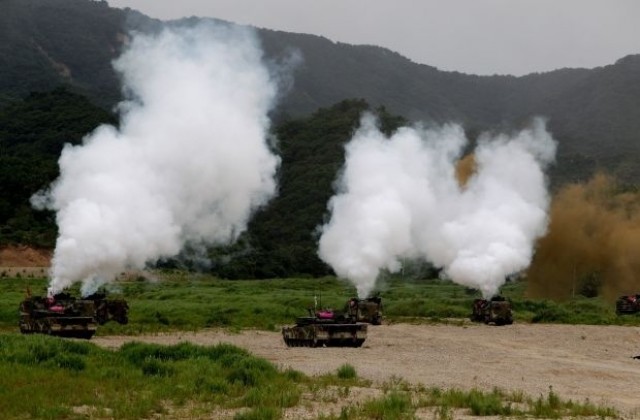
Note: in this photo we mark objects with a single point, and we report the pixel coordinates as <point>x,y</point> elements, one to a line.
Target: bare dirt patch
<point>24,256</point>
<point>24,261</point>
<point>579,362</point>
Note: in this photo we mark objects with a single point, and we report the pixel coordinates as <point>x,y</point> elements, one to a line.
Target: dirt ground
<point>579,362</point>
<point>23,256</point>
<point>24,261</point>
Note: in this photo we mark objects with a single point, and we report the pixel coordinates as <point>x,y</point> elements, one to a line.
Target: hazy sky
<point>471,36</point>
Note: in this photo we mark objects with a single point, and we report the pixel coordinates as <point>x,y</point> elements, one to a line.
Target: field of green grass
<point>49,377</point>
<point>184,301</point>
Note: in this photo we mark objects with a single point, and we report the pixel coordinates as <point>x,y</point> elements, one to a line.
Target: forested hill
<point>595,113</point>
<point>44,43</point>
<point>281,237</point>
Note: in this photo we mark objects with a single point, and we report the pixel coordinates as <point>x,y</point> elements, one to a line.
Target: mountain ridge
<point>594,113</point>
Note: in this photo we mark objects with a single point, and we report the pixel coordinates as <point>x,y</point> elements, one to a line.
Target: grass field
<point>49,377</point>
<point>185,301</point>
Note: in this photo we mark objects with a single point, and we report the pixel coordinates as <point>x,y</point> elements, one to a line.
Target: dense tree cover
<point>32,134</point>
<point>282,237</point>
<point>595,114</point>
<point>44,43</point>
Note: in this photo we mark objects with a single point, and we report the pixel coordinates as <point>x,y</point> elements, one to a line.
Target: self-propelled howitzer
<point>496,310</point>
<point>325,329</point>
<point>66,316</point>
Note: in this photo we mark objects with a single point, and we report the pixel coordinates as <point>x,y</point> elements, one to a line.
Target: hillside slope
<point>594,113</point>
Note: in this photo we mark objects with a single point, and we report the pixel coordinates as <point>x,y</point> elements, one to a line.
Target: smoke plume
<point>400,197</point>
<point>592,243</point>
<point>187,165</point>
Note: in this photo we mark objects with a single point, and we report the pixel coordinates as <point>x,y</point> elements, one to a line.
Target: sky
<point>471,36</point>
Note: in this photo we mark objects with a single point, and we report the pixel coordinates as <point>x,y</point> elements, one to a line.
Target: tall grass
<point>48,377</point>
<point>347,371</point>
<point>393,406</point>
<point>514,404</point>
<point>402,401</point>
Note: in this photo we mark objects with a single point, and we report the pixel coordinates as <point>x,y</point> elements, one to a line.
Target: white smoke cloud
<point>399,198</point>
<point>188,164</point>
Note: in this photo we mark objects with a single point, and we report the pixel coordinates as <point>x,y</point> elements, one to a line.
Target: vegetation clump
<point>44,376</point>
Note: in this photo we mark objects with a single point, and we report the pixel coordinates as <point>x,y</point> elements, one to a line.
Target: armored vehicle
<point>367,310</point>
<point>628,304</point>
<point>64,315</point>
<point>109,309</point>
<point>59,315</point>
<point>325,328</point>
<point>496,310</point>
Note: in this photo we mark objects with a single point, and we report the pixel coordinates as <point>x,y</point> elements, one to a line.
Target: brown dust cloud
<point>592,244</point>
<point>465,169</point>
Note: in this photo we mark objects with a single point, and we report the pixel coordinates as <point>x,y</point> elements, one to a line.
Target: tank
<point>109,309</point>
<point>59,315</point>
<point>325,329</point>
<point>367,310</point>
<point>65,316</point>
<point>628,304</point>
<point>496,310</point>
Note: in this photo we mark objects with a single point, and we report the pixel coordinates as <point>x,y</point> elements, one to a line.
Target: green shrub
<point>294,375</point>
<point>251,371</point>
<point>394,406</point>
<point>154,367</point>
<point>482,404</point>
<point>211,385</point>
<point>275,395</point>
<point>347,371</point>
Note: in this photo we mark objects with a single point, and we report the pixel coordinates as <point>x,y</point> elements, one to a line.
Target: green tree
<point>32,134</point>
